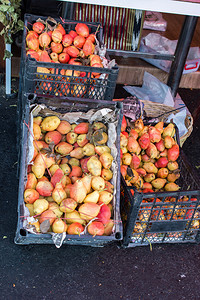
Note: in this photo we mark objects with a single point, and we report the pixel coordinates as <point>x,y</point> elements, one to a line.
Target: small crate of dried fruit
<point>160,191</point>
<point>66,58</point>
<point>69,186</point>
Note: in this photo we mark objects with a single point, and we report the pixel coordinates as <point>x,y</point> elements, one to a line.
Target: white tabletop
<point>182,7</point>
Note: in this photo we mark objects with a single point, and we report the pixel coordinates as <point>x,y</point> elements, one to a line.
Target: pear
<point>150,167</point>
<point>39,166</point>
<point>56,209</point>
<point>102,149</point>
<point>105,197</point>
<point>106,159</point>
<point>68,205</point>
<point>73,217</point>
<point>78,191</point>
<point>158,183</point>
<point>169,130</point>
<point>98,183</point>
<point>92,197</point>
<point>77,153</point>
<point>89,210</point>
<point>87,182</point>
<point>58,193</point>
<point>40,205</point>
<point>59,226</point>
<point>159,126</point>
<point>88,149</point>
<point>94,166</point>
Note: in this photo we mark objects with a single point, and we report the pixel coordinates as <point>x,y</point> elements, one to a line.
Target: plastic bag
<point>154,21</point>
<point>153,90</point>
<point>155,43</point>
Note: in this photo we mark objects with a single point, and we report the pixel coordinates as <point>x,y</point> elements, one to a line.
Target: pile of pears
<point>149,156</point>
<point>68,186</point>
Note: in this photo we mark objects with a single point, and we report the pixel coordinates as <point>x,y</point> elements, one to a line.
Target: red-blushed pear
<point>154,134</point>
<point>75,228</point>
<point>53,137</point>
<point>82,140</point>
<point>73,34</point>
<point>88,211</point>
<point>56,36</point>
<point>82,29</point>
<point>57,177</point>
<point>30,196</point>
<point>75,171</point>
<point>44,40</point>
<point>81,128</point>
<point>67,40</point>
<point>58,193</point>
<point>44,188</point>
<point>63,58</point>
<point>87,179</point>
<point>144,141</point>
<point>135,162</point>
<point>79,41</point>
<point>160,145</point>
<point>64,127</point>
<point>71,137</point>
<point>78,191</point>
<point>108,228</point>
<point>161,162</point>
<point>31,181</point>
<point>61,29</point>
<point>38,27</point>
<point>47,215</point>
<point>95,228</point>
<point>77,153</point>
<point>33,54</point>
<point>68,205</point>
<point>173,153</point>
<point>105,214</point>
<point>63,148</point>
<point>56,47</point>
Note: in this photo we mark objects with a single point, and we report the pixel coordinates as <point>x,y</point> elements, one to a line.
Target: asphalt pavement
<point>170,271</point>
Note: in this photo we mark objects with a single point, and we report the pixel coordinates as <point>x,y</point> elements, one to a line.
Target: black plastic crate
<point>162,217</point>
<point>23,237</point>
<point>56,84</point>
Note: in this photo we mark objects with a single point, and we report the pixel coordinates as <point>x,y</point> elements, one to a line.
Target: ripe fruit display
<point>78,47</point>
<point>149,154</point>
<point>156,201</point>
<point>69,182</point>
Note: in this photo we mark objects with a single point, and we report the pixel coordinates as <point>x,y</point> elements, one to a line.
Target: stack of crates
<point>55,91</point>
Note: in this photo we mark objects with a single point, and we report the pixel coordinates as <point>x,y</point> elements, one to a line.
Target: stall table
<point>191,10</point>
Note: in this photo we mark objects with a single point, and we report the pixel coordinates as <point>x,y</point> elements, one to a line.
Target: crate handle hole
<point>22,232</point>
<point>118,235</point>
<point>31,96</point>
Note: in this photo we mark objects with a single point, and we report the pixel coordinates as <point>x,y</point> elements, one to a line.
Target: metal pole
<point>181,52</point>
<point>8,71</point>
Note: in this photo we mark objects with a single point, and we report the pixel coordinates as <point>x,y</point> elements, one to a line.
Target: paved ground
<point>74,272</point>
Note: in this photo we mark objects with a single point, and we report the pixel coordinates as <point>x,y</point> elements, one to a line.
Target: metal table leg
<point>181,52</point>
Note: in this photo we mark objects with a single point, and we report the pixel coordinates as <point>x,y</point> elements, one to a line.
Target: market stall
<point>67,78</point>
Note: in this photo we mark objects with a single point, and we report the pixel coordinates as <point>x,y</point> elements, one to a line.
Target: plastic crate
<point>174,218</point>
<point>23,237</point>
<point>61,85</point>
